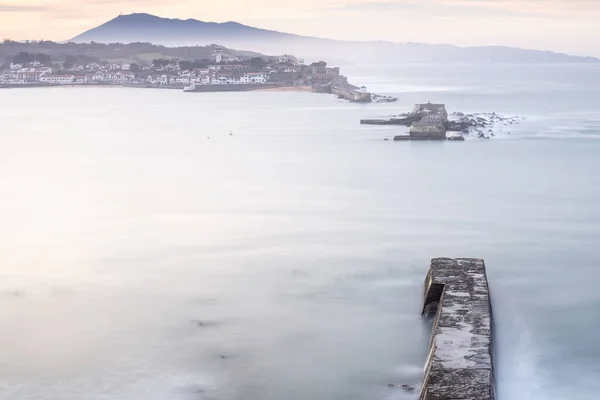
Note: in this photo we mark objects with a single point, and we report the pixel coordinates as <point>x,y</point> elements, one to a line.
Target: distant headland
<point>193,69</point>
<point>140,27</point>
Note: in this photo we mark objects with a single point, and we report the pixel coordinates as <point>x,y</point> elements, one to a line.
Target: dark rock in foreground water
<point>407,388</point>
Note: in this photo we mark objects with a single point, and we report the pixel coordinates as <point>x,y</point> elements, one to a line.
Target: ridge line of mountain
<point>142,27</point>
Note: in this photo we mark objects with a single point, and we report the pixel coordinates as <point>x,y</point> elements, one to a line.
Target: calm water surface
<point>147,254</point>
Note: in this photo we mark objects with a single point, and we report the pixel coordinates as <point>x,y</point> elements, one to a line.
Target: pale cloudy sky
<point>571,26</point>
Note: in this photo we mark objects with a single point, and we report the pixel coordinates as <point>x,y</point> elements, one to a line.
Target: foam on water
<point>518,374</point>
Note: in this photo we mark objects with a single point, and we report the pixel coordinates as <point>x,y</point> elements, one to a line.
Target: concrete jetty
<point>405,120</point>
<point>352,93</point>
<point>460,361</point>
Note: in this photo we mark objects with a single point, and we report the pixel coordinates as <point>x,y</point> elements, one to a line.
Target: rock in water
<point>408,388</point>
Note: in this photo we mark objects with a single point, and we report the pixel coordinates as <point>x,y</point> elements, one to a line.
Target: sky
<point>569,26</point>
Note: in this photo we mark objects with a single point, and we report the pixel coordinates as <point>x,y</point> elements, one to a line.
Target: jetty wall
<point>460,360</point>
<point>406,121</point>
<point>350,93</point>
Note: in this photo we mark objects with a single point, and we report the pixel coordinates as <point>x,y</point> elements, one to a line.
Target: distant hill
<point>153,29</point>
<point>142,53</point>
<point>190,32</point>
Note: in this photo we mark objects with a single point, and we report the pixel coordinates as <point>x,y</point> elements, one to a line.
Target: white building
<point>223,80</point>
<point>121,77</point>
<point>180,80</point>
<point>202,80</point>
<point>27,76</point>
<point>163,80</point>
<point>253,78</point>
<point>58,79</point>
<point>9,78</point>
<point>158,79</point>
<point>172,67</point>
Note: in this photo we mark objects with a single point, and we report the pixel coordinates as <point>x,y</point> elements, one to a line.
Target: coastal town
<point>223,72</point>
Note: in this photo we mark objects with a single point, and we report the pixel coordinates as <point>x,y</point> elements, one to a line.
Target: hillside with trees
<point>47,52</point>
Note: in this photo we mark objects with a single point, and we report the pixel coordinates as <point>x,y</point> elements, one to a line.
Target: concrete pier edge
<point>460,360</point>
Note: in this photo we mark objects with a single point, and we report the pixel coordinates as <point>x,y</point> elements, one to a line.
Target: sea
<point>161,245</point>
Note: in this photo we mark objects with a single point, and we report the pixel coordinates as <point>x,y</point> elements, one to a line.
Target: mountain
<point>174,32</point>
<point>190,32</point>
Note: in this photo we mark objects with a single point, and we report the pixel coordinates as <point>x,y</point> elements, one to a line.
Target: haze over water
<point>147,254</point>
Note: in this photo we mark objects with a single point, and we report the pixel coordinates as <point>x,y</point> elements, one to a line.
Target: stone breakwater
<point>432,122</point>
<point>460,361</point>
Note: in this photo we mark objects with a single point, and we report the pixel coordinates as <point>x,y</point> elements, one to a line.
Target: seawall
<point>351,93</point>
<point>243,87</point>
<point>26,85</point>
<point>460,360</point>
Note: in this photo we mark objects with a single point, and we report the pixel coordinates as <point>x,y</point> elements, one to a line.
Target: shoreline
<point>142,86</point>
<point>287,89</point>
<point>347,94</point>
<point>87,85</point>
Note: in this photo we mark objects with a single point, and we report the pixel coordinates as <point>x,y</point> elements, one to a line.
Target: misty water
<point>146,253</point>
